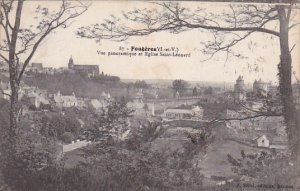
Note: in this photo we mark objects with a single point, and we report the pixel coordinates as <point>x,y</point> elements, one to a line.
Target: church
<point>90,70</point>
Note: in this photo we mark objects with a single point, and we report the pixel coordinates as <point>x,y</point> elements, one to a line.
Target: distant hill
<point>82,86</point>
<point>149,81</point>
<point>191,83</point>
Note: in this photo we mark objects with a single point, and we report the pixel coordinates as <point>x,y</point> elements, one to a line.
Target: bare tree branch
<point>54,24</point>
<point>243,118</point>
<point>2,91</point>
<point>4,58</point>
<point>292,47</point>
<point>175,19</point>
<point>20,40</point>
<point>293,25</point>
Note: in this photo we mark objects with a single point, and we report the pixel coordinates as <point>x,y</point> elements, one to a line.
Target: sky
<point>61,45</point>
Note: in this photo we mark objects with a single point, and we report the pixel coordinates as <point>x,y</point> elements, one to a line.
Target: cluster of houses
<point>262,89</point>
<point>262,132</point>
<point>143,108</point>
<point>37,67</point>
<point>140,107</point>
<point>41,99</point>
<point>89,70</point>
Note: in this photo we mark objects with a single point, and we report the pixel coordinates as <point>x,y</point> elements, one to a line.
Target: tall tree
<point>141,84</point>
<point>208,90</point>
<point>229,28</point>
<point>195,92</point>
<point>179,86</point>
<point>112,120</point>
<point>19,44</point>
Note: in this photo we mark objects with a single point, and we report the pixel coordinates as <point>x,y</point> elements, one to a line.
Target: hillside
<point>82,86</point>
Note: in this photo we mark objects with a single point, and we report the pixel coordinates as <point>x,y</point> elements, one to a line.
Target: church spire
<point>71,62</point>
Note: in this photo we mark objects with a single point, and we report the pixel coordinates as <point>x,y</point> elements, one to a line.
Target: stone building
<point>35,67</point>
<point>142,109</point>
<point>260,88</point>
<point>90,70</point>
<point>65,100</point>
<point>195,113</point>
<point>105,96</point>
<point>37,97</point>
<point>263,141</point>
<point>239,90</point>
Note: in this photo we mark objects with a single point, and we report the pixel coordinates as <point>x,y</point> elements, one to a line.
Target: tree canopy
<point>179,86</point>
<point>228,27</point>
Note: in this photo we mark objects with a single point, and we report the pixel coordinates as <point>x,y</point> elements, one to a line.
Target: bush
<point>67,137</point>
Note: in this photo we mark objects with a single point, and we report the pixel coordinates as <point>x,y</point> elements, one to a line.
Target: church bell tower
<point>71,63</point>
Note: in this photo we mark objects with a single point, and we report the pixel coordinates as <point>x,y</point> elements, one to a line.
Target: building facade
<point>36,96</point>
<point>65,100</point>
<point>239,90</point>
<point>196,113</point>
<point>90,70</point>
<point>260,88</point>
<point>263,141</point>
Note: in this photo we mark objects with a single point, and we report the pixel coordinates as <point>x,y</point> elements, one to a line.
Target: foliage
<point>22,169</point>
<point>241,21</point>
<point>179,86</point>
<point>55,126</point>
<point>266,168</point>
<point>146,131</point>
<point>133,165</point>
<point>4,125</point>
<point>72,125</point>
<point>67,137</point>
<point>18,46</point>
<point>195,92</point>
<point>128,165</point>
<point>141,84</point>
<point>208,91</point>
<point>251,165</point>
<point>4,118</point>
<point>105,78</point>
<point>82,86</point>
<point>53,177</point>
<point>111,121</point>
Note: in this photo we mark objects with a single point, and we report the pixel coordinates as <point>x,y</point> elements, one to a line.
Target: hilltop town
<point>149,96</point>
<point>187,112</point>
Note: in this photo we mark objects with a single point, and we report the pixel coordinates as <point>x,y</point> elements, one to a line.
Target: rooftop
<point>186,111</point>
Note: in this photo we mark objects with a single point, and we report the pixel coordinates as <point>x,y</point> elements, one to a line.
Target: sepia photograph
<point>102,95</point>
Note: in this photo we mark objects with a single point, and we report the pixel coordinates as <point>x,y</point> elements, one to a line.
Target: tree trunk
<point>285,84</point>
<point>10,142</point>
<point>13,77</point>
<point>14,108</point>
